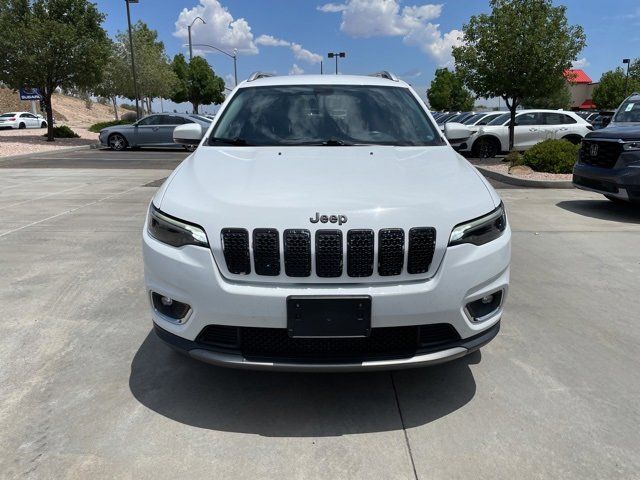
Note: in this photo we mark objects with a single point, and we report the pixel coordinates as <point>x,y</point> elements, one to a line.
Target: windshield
<point>629,111</point>
<point>474,118</point>
<point>500,120</point>
<point>324,115</point>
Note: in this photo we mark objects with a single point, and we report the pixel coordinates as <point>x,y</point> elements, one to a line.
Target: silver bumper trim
<point>238,361</point>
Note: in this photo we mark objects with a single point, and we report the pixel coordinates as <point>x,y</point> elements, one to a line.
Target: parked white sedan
<point>22,120</point>
<point>532,127</point>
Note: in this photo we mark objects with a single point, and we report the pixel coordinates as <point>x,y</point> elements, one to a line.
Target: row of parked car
<point>486,134</point>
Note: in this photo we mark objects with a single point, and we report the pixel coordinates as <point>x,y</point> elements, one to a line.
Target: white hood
<point>283,187</point>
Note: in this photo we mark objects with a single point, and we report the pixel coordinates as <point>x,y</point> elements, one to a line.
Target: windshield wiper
<point>230,141</point>
<point>332,142</point>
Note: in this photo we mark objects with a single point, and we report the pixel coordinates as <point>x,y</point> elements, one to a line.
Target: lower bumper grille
<point>275,343</point>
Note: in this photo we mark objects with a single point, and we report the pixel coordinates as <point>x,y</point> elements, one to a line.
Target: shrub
<point>96,127</point>
<point>552,156</point>
<point>63,132</point>
<point>514,158</point>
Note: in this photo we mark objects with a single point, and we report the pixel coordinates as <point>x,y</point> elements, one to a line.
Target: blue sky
<point>408,37</point>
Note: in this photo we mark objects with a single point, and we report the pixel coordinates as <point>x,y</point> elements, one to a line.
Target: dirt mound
<point>69,110</point>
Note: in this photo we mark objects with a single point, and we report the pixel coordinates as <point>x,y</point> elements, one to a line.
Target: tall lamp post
<point>233,55</point>
<point>336,55</point>
<point>626,79</point>
<point>133,61</point>
<point>189,30</point>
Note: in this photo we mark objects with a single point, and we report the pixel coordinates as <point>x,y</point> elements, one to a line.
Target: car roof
<point>368,80</point>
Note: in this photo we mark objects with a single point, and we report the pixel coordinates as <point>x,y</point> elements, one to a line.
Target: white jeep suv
<point>532,127</point>
<point>325,223</point>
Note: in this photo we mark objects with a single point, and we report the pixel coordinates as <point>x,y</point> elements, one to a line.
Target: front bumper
<point>622,183</point>
<point>190,275</point>
<point>223,358</point>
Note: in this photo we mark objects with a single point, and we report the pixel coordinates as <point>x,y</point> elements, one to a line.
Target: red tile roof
<point>587,105</point>
<point>577,76</point>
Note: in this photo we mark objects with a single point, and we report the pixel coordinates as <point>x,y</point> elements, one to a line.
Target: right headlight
<point>173,231</point>
<point>481,230</point>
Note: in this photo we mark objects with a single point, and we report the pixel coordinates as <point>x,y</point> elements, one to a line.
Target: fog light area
<point>485,306</point>
<point>169,307</point>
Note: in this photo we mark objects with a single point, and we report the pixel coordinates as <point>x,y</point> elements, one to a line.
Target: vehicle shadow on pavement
<point>279,404</point>
<point>603,210</point>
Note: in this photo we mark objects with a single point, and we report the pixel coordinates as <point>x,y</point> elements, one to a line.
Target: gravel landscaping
<point>500,166</point>
<point>18,142</point>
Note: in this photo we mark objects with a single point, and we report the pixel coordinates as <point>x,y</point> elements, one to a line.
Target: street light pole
<point>189,31</point>
<point>336,55</point>
<point>626,79</point>
<point>233,55</point>
<point>133,61</point>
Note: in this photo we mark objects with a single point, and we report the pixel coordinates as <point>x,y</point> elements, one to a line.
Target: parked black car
<point>609,159</point>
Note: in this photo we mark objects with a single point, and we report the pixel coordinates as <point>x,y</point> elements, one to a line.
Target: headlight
<point>481,230</point>
<point>173,231</point>
<point>631,146</point>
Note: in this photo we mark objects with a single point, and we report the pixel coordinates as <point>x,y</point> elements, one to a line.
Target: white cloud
<point>581,63</point>
<point>269,41</point>
<point>221,29</point>
<point>331,7</point>
<point>296,70</point>
<point>298,51</point>
<point>379,18</point>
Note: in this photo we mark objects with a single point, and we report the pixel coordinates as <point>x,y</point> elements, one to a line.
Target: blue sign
<point>30,94</point>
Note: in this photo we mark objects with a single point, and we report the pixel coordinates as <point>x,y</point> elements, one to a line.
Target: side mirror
<point>456,132</point>
<point>188,134</point>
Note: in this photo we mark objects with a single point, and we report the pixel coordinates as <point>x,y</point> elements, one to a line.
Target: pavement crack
<point>404,429</point>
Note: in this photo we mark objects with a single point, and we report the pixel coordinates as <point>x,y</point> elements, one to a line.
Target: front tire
<point>485,147</point>
<point>117,142</point>
<point>43,125</point>
<point>190,148</point>
<point>22,126</point>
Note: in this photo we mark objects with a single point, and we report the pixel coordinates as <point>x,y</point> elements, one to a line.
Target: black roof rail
<point>385,74</point>
<point>257,75</point>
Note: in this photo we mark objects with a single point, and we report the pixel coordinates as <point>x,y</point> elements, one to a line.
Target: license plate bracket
<point>329,316</point>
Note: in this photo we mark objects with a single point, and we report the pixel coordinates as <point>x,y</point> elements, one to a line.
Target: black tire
<point>43,125</point>
<point>190,148</point>
<point>117,142</point>
<point>485,147</point>
<point>22,126</point>
<point>575,139</point>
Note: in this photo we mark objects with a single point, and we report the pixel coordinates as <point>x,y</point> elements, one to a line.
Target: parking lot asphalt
<point>88,391</point>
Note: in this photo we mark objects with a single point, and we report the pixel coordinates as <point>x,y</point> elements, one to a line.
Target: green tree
<point>560,98</point>
<point>51,44</point>
<point>520,50</point>
<point>153,70</point>
<point>447,92</point>
<point>197,82</point>
<point>613,88</point>
<point>114,78</point>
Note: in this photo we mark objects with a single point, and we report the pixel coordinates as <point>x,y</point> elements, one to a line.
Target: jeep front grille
<point>330,252</point>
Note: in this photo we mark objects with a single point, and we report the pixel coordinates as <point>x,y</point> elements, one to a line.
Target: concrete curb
<point>47,152</point>
<point>522,182</point>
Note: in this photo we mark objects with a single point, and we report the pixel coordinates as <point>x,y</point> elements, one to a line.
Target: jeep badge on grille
<point>339,219</point>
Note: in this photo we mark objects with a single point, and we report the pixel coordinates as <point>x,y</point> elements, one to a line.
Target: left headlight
<point>481,230</point>
<point>173,231</point>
